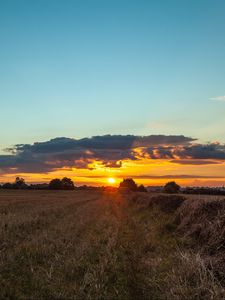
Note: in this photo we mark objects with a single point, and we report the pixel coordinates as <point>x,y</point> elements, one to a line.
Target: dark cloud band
<point>109,150</point>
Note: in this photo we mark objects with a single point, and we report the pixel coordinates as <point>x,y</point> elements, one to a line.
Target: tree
<point>55,184</point>
<point>171,187</point>
<point>128,184</point>
<point>67,184</point>
<point>64,184</point>
<point>20,183</point>
<point>141,188</point>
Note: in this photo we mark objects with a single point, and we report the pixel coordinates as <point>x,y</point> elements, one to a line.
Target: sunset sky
<point>104,89</point>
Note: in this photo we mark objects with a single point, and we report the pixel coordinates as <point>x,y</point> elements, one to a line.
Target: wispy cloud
<point>219,98</point>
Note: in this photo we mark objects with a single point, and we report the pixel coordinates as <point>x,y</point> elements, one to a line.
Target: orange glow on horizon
<point>143,170</point>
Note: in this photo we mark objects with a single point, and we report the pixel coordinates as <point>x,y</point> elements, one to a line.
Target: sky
<point>79,69</point>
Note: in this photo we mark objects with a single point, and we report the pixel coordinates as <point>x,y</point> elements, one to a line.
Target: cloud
<point>179,176</point>
<point>149,176</point>
<point>219,98</point>
<point>107,150</point>
<point>169,176</point>
<point>198,151</point>
<point>102,142</point>
<point>195,162</point>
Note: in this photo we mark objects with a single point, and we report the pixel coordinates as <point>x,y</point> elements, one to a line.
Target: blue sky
<point>84,68</point>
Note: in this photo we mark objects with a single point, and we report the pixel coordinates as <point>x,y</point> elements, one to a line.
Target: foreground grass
<point>82,245</point>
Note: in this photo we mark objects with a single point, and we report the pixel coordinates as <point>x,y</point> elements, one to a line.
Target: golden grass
<point>92,245</point>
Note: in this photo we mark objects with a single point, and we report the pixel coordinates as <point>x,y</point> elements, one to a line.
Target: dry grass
<point>192,279</point>
<point>167,203</point>
<point>91,245</point>
<point>204,222</point>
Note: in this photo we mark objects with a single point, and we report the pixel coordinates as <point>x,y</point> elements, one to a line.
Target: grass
<point>92,245</point>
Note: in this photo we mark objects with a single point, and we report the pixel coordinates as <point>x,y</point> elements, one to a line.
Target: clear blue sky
<point>83,68</point>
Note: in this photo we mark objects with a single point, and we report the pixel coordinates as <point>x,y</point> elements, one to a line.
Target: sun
<point>111,180</point>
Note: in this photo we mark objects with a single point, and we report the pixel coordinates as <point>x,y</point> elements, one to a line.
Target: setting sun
<point>111,180</point>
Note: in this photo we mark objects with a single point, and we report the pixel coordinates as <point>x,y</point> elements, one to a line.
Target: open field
<point>93,245</point>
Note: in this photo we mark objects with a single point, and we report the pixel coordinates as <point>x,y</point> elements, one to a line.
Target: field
<point>95,245</point>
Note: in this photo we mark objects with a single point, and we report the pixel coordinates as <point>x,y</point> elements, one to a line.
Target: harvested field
<point>93,245</point>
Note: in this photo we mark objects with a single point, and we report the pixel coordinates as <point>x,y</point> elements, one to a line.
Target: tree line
<point>55,184</point>
<point>127,185</point>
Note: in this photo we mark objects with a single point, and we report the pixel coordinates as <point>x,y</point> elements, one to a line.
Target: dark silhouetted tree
<point>55,184</point>
<point>141,188</point>
<point>67,184</point>
<point>20,183</point>
<point>171,188</point>
<point>128,184</point>
<point>64,184</point>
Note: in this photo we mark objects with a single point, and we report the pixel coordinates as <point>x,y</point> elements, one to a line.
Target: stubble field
<point>95,245</point>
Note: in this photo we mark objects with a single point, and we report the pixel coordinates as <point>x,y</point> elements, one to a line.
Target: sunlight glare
<point>111,180</point>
